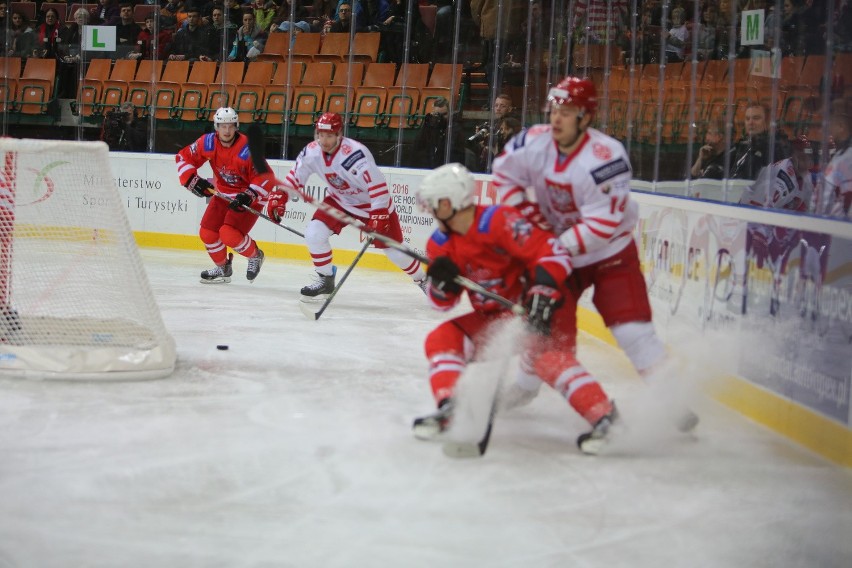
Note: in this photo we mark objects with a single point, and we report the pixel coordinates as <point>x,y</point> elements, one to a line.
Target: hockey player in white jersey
<point>356,187</point>
<point>576,180</point>
<point>787,183</point>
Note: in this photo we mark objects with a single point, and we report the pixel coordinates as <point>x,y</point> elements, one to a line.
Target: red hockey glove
<point>199,186</point>
<point>243,200</point>
<point>379,221</point>
<point>542,302</point>
<point>276,205</point>
<point>533,214</point>
<point>442,272</point>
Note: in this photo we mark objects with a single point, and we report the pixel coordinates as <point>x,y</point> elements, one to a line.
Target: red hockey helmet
<point>575,91</point>
<point>329,122</point>
<point>801,143</point>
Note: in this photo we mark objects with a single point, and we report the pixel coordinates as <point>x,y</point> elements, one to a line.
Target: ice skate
<point>423,285</point>
<point>254,264</point>
<point>320,288</point>
<point>593,441</point>
<point>219,274</point>
<point>430,426</point>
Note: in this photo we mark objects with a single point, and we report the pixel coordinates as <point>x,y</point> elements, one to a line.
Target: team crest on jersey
<point>601,152</point>
<point>346,149</point>
<point>229,177</point>
<point>336,181</point>
<point>561,196</point>
<point>193,148</point>
<point>521,229</point>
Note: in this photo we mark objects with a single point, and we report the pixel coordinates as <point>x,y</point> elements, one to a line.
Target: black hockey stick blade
<point>455,449</point>
<point>257,149</point>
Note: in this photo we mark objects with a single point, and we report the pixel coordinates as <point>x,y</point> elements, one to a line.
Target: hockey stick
<point>259,214</point>
<point>304,306</point>
<point>256,150</point>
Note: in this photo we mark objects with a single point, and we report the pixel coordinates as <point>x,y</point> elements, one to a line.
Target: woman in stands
<point>21,39</point>
<point>47,35</point>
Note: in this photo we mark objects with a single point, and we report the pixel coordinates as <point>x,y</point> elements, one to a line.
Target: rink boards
<point>789,305</point>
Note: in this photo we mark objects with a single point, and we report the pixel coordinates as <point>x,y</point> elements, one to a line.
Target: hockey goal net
<point>75,302</point>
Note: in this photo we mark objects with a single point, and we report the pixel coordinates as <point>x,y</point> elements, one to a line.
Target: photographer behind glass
<point>122,132</point>
<point>482,146</point>
<point>430,146</point>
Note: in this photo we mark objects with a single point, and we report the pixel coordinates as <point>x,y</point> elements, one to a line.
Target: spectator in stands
<point>323,12</point>
<point>756,149</point>
<point>68,54</point>
<point>193,42</point>
<point>21,38</point>
<point>444,30</point>
<point>249,41</point>
<point>4,9</point>
<point>47,34</point>
<point>486,14</point>
<point>223,31</point>
<point>126,31</point>
<point>286,17</point>
<point>169,13</point>
<point>145,39</point>
<point>105,13</point>
<point>482,146</point>
<point>592,23</point>
<point>792,32</point>
<point>678,36</point>
<point>233,13</point>
<point>842,27</point>
<point>392,23</point>
<point>707,32</point>
<point>264,13</point>
<point>431,144</point>
<point>710,162</point>
<point>343,21</point>
<point>70,37</point>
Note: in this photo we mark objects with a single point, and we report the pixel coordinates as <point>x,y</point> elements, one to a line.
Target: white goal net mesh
<point>75,301</point>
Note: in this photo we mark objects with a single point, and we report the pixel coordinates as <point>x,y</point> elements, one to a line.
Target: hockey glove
<point>533,214</point>
<point>442,272</point>
<point>379,221</point>
<point>242,200</point>
<point>542,303</point>
<point>276,205</point>
<point>199,186</point>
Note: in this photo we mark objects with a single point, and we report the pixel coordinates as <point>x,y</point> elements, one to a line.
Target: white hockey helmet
<point>450,181</point>
<point>226,115</point>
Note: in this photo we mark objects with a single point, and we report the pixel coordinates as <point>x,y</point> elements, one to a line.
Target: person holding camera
<point>431,143</point>
<point>482,147</point>
<point>122,131</point>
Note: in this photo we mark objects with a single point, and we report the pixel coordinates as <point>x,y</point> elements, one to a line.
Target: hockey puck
<point>222,347</point>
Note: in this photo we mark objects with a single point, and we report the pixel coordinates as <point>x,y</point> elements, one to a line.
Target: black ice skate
<point>592,442</point>
<point>254,264</point>
<point>429,426</point>
<point>218,274</point>
<point>320,288</point>
<point>423,285</point>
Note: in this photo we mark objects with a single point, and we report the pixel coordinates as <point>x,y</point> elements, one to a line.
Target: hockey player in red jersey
<point>355,187</point>
<point>499,249</point>
<point>226,225</point>
<point>576,180</point>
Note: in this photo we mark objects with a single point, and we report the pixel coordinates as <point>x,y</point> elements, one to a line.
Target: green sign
<point>751,27</point>
<point>99,38</point>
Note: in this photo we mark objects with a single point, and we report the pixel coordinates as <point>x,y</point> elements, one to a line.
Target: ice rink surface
<point>293,449</point>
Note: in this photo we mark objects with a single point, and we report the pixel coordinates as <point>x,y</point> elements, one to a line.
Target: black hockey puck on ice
<point>222,347</point>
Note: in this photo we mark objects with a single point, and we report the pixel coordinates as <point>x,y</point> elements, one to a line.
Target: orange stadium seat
<point>10,67</point>
<point>366,47</point>
<point>167,91</point>
<point>35,87</point>
<point>334,48</point>
<point>91,87</point>
<point>118,84</point>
